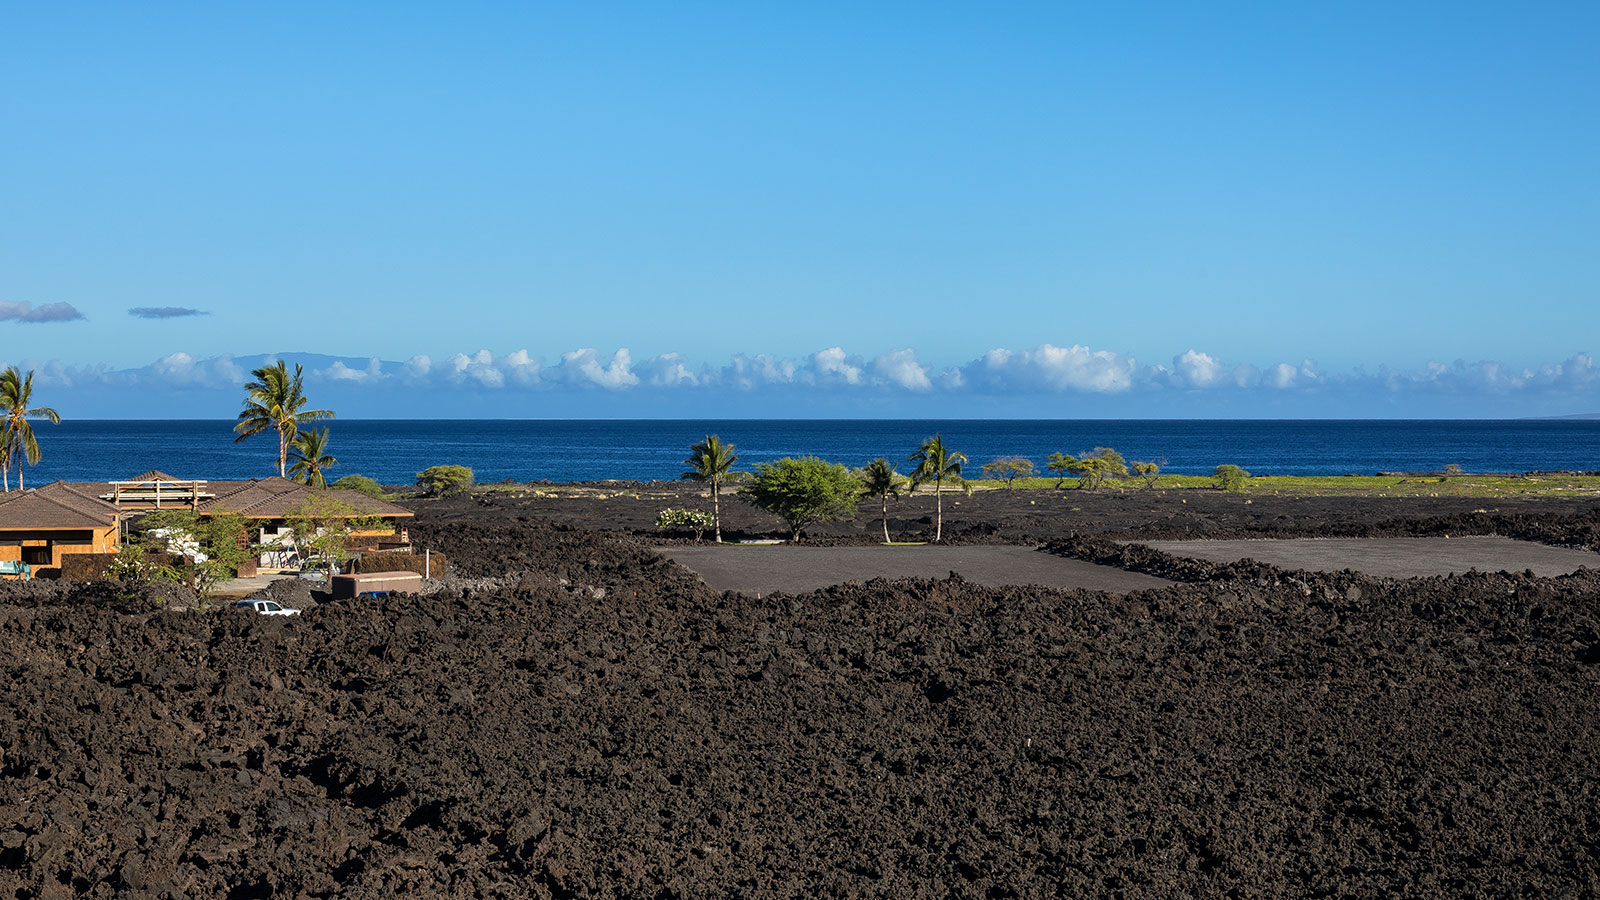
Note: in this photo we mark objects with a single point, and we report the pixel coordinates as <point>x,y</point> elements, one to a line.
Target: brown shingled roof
<point>54,506</point>
<point>155,475</point>
<point>274,498</point>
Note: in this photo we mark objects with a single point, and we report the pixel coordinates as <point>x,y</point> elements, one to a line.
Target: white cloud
<point>341,372</point>
<point>748,372</point>
<point>416,368</point>
<point>521,368</point>
<point>833,364</point>
<point>1284,376</point>
<point>1046,367</point>
<point>1196,369</point>
<point>585,366</point>
<point>1281,376</point>
<point>667,370</point>
<point>478,368</point>
<point>182,370</point>
<point>1575,373</point>
<point>901,369</point>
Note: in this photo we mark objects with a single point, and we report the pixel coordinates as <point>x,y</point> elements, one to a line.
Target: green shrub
<point>694,520</point>
<point>138,563</point>
<point>443,481</point>
<point>359,483</point>
<point>1229,477</point>
<point>804,491</point>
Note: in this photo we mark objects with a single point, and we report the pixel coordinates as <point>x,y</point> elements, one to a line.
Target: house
<point>271,504</point>
<point>38,527</point>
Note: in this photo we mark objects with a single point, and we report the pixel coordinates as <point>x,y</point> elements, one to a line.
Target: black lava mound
<point>604,726</point>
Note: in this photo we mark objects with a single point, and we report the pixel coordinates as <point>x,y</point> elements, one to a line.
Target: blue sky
<point>830,209</point>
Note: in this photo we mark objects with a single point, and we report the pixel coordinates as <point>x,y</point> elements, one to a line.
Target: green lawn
<point>1349,485</point>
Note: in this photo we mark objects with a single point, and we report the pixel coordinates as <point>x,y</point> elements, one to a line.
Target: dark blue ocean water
<point>394,451</point>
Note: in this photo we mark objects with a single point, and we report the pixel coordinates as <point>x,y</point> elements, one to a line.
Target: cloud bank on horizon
<point>603,381</point>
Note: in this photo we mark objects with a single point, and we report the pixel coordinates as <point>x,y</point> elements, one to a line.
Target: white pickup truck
<point>267,607</point>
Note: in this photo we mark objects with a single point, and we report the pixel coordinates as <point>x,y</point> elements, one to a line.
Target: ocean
<point>393,451</point>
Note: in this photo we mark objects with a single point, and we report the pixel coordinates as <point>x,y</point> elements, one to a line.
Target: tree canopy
<point>443,481</point>
<point>1146,470</point>
<point>311,457</point>
<point>275,401</point>
<point>804,491</point>
<point>360,483</point>
<point>1008,468</point>
<point>1092,468</point>
<point>18,443</point>
<point>879,479</point>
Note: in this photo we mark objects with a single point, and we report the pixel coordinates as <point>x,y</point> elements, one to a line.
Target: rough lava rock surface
<point>593,722</point>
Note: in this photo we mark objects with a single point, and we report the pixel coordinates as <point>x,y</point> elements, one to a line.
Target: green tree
<point>359,483</point>
<point>804,491</point>
<point>444,481</point>
<point>18,444</point>
<point>311,457</point>
<point>219,544</point>
<point>1092,468</point>
<point>881,480</point>
<point>1061,465</point>
<point>711,460</point>
<point>1148,471</point>
<point>938,464</point>
<point>276,401</point>
<point>1229,477</point>
<point>1008,468</point>
<point>1119,465</point>
<point>320,529</point>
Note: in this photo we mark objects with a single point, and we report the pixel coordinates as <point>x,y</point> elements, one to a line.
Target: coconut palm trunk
<point>938,509</point>
<point>716,507</point>
<point>885,499</point>
<point>283,452</point>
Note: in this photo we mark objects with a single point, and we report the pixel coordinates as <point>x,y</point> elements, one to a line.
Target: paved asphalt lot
<point>763,569</point>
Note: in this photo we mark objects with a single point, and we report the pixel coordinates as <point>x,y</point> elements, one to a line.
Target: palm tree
<point>17,443</point>
<point>712,460</point>
<point>311,457</point>
<point>274,401</point>
<point>881,481</point>
<point>936,463</point>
